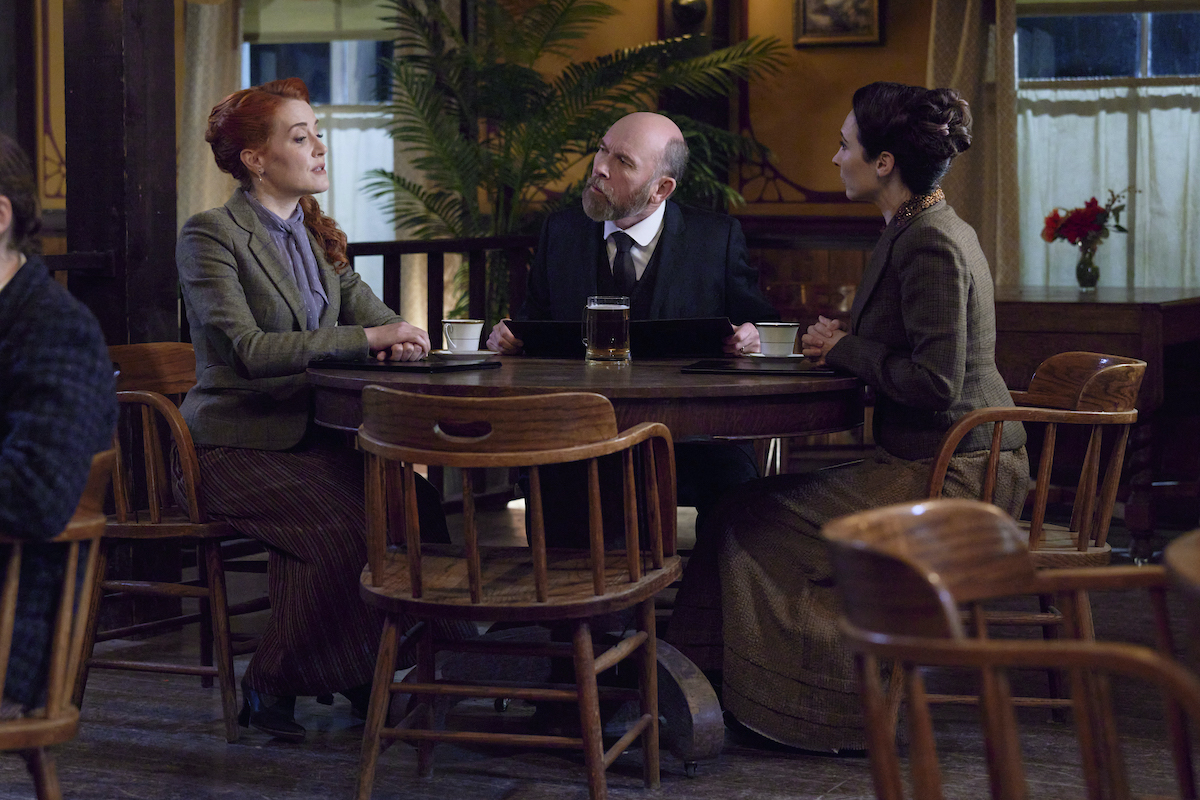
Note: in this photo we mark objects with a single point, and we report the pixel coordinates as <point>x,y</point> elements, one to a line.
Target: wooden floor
<point>149,736</point>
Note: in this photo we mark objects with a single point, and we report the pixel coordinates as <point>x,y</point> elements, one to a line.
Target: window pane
<point>308,61</point>
<point>1173,40</point>
<point>342,73</point>
<point>1083,46</point>
<point>358,77</point>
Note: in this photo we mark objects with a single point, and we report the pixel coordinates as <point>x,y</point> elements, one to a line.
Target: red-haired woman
<point>267,290</point>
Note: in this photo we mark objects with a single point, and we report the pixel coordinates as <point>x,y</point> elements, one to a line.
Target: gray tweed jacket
<point>923,335</point>
<point>247,322</point>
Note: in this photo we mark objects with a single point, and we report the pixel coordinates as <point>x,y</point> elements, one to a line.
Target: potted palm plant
<point>499,139</point>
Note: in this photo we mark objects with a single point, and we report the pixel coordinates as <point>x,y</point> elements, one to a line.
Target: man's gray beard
<point>605,209</point>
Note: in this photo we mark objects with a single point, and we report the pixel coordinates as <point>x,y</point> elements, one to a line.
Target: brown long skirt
<point>787,674</point>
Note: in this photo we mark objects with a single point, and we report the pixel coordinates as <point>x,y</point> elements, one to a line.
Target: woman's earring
<point>260,175</point>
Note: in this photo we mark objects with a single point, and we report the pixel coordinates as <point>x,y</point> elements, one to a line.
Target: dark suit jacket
<point>923,334</point>
<point>702,269</point>
<point>247,321</point>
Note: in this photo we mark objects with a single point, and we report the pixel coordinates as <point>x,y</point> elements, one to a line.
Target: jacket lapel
<point>670,252</point>
<point>267,255</point>
<point>330,280</point>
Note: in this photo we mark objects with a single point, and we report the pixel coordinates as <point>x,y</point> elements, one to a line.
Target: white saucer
<point>462,355</point>
<point>764,355</point>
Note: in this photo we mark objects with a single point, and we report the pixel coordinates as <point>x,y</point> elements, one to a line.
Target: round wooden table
<point>691,405</point>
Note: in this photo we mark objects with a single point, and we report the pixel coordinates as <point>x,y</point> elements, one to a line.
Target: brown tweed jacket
<point>247,322</point>
<point>923,335</point>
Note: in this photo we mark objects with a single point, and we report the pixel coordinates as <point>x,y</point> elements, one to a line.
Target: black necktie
<point>623,270</point>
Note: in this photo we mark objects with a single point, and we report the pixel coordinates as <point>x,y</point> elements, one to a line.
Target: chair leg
<point>648,703</point>
<point>93,619</point>
<point>589,710</point>
<point>426,673</point>
<point>385,670</point>
<point>219,622</point>
<point>206,616</point>
<point>45,778</point>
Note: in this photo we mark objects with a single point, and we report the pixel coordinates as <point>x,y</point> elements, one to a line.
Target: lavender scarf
<point>291,239</point>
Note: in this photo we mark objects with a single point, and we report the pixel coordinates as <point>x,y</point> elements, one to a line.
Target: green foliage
<point>494,132</point>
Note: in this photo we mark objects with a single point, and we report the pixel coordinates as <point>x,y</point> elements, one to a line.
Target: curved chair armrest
<point>182,437</point>
<point>1112,657</point>
<point>1099,579</point>
<point>982,416</point>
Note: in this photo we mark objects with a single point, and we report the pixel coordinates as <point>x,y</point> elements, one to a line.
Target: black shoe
<point>271,714</point>
<point>360,699</point>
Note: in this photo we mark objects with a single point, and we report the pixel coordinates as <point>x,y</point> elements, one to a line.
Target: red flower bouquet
<point>1086,227</point>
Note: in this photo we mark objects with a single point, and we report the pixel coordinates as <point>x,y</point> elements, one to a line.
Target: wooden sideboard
<point>1160,326</point>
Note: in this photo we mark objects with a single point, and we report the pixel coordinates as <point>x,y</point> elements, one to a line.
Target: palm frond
<point>427,213</point>
<point>716,73</point>
<point>552,27</point>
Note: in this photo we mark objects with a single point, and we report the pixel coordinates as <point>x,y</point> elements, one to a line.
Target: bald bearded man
<point>688,263</point>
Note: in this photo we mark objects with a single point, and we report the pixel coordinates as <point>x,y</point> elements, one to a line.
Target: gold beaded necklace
<point>918,203</point>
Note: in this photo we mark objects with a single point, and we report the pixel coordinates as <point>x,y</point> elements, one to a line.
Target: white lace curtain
<point>1078,143</point>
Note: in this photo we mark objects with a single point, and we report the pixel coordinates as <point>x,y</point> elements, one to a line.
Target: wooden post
<point>119,71</point>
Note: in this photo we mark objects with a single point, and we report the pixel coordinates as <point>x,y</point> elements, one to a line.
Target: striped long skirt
<point>307,506</point>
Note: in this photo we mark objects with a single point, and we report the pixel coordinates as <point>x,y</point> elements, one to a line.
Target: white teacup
<point>777,338</point>
<point>462,334</point>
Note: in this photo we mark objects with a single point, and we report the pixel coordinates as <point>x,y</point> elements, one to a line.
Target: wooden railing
<point>515,250</point>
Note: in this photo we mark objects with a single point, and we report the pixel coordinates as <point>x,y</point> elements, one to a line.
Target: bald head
<point>637,167</point>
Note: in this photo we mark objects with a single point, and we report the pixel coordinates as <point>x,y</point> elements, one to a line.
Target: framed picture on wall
<point>824,22</point>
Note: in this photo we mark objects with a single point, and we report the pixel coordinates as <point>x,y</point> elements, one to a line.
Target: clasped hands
<point>398,341</point>
<point>820,337</point>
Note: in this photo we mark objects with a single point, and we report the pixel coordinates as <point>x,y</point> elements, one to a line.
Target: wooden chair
<point>906,572</point>
<point>1091,391</point>
<point>146,511</point>
<point>1094,393</point>
<point>514,585</point>
<point>57,721</point>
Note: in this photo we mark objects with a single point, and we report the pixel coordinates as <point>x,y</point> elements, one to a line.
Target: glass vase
<point>1086,271</point>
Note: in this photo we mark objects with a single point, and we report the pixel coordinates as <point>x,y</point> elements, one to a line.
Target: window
<point>338,73</point>
<point>1106,102</point>
<point>1108,45</point>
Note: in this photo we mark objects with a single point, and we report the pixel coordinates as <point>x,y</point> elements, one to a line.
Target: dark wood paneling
<point>119,58</point>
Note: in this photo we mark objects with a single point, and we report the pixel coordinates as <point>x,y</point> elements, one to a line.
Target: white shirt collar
<point>643,232</point>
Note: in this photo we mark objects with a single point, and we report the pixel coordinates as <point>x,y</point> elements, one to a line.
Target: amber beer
<point>606,329</point>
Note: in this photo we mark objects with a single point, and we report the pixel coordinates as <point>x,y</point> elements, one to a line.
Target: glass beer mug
<point>606,330</point>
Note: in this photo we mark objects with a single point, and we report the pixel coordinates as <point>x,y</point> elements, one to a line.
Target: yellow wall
<point>798,113</point>
<point>51,124</point>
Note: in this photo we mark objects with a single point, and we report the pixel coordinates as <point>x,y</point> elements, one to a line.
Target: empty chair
<point>146,511</point>
<point>1094,394</point>
<point>905,574</point>
<point>57,720</point>
<point>1090,391</point>
<point>408,580</point>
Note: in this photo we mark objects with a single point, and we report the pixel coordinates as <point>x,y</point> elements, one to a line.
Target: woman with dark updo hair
<point>922,336</point>
<point>267,290</point>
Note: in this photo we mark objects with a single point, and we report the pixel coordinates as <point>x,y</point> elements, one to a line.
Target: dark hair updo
<point>244,121</point>
<point>18,185</point>
<point>922,128</point>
